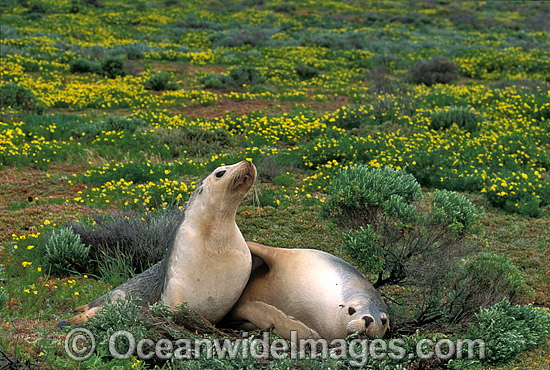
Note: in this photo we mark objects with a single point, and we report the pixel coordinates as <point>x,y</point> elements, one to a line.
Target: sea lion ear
<point>200,190</point>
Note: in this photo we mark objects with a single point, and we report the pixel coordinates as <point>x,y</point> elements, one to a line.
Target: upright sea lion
<point>311,292</point>
<point>208,262</point>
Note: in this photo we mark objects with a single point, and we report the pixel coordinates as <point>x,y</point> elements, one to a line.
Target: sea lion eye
<point>351,311</point>
<point>220,174</point>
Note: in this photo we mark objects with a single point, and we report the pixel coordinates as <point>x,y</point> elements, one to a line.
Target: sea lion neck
<point>208,223</point>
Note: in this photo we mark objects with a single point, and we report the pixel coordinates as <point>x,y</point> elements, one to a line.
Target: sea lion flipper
<point>262,253</point>
<point>268,317</point>
<point>82,308</point>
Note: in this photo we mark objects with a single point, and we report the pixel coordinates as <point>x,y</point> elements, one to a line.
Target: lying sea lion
<point>311,292</point>
<point>208,262</point>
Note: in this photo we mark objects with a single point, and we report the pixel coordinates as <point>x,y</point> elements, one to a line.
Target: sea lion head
<point>364,313</point>
<point>223,189</point>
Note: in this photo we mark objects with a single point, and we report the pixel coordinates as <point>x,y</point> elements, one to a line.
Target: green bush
<point>438,70</point>
<point>19,97</point>
<point>113,66</point>
<point>237,77</point>
<point>65,253</point>
<point>140,239</point>
<point>37,7</point>
<point>244,75</point>
<point>193,141</point>
<point>123,314</point>
<point>454,210</point>
<point>160,81</point>
<point>306,71</point>
<point>507,330</point>
<point>356,194</point>
<point>464,118</point>
<point>212,81</point>
<point>129,124</point>
<point>81,65</point>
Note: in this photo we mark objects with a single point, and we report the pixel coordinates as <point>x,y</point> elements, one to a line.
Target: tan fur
<point>310,292</point>
<point>82,308</point>
<point>209,263</point>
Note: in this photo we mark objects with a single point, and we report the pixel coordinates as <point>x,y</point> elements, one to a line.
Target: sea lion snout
<point>376,328</point>
<point>368,319</point>
<point>244,176</point>
<point>371,324</point>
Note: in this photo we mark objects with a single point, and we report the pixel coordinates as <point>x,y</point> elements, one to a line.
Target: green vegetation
<point>65,253</point>
<point>373,114</point>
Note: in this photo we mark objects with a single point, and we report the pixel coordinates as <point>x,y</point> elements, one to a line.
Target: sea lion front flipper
<point>265,317</point>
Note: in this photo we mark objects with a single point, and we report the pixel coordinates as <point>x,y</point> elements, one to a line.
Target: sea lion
<point>208,263</point>
<point>311,292</point>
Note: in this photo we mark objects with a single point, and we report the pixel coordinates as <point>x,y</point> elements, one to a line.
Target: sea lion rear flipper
<point>261,253</point>
<point>82,308</point>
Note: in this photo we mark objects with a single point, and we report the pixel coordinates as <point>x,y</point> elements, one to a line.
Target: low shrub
<point>339,41</point>
<point>284,7</point>
<point>507,330</point>
<point>381,82</point>
<point>193,141</point>
<point>465,118</point>
<point>465,20</point>
<point>160,81</point>
<point>81,65</point>
<point>237,77</point>
<point>244,75</point>
<point>141,239</point>
<point>19,97</point>
<point>123,314</point>
<point>212,81</point>
<point>306,71</point>
<point>438,70</point>
<point>128,124</point>
<point>358,193</point>
<point>274,167</point>
<point>113,66</point>
<point>37,7</point>
<point>65,253</point>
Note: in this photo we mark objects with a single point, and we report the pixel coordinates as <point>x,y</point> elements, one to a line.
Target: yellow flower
<point>25,263</point>
<point>39,269</point>
<point>76,293</point>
